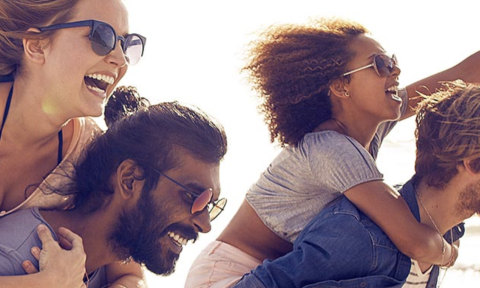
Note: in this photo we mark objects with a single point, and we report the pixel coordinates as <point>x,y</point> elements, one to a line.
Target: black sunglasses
<point>202,200</point>
<point>104,39</point>
<point>382,64</point>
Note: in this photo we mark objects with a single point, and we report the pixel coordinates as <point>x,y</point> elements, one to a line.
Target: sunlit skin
<point>49,90</point>
<point>69,57</point>
<point>368,103</point>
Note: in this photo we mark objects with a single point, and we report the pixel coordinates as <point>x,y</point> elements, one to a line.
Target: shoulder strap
<point>7,107</point>
<point>5,114</point>
<point>60,146</point>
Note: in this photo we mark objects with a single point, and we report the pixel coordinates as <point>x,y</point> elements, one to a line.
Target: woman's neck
<point>362,133</point>
<point>29,121</point>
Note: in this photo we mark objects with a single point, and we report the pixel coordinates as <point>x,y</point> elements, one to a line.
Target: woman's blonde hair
<point>17,16</point>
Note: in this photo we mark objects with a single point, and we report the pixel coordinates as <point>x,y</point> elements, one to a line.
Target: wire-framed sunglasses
<point>382,64</point>
<point>104,39</point>
<point>202,200</point>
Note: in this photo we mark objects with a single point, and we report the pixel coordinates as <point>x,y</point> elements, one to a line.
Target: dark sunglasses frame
<point>94,24</point>
<point>392,63</point>
<point>214,208</point>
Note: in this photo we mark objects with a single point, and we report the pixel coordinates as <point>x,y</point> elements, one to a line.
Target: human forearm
<point>389,211</point>
<point>468,70</point>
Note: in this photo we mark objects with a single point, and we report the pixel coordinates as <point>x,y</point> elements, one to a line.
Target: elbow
<point>423,251</point>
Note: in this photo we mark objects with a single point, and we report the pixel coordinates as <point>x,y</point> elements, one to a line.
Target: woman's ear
<point>34,48</point>
<point>338,89</point>
<point>129,179</point>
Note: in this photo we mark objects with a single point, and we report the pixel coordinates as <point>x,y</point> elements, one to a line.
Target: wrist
<point>46,279</point>
<point>452,258</point>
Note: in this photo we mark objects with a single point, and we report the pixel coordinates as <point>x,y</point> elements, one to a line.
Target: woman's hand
<point>59,267</point>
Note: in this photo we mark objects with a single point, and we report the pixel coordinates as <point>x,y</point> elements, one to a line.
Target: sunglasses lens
<point>133,49</point>
<point>202,201</point>
<point>103,39</point>
<point>217,208</point>
<point>384,65</point>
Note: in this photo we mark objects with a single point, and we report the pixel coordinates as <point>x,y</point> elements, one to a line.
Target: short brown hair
<point>448,132</point>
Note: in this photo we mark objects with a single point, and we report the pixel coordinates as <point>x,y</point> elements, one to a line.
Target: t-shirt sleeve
<point>338,162</point>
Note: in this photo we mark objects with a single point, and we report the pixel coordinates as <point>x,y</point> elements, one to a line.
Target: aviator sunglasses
<point>202,200</point>
<point>104,39</point>
<point>382,64</point>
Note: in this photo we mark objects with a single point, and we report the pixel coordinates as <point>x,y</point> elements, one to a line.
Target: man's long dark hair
<point>150,135</point>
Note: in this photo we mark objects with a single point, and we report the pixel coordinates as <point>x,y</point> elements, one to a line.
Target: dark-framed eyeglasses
<point>202,200</point>
<point>382,64</point>
<point>104,39</point>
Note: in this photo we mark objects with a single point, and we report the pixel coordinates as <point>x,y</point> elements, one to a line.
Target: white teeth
<point>179,240</point>
<point>393,89</point>
<point>95,89</point>
<point>104,78</point>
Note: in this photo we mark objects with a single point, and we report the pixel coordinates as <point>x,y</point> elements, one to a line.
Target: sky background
<point>195,51</point>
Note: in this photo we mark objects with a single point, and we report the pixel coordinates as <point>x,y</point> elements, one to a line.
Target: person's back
<point>342,247</point>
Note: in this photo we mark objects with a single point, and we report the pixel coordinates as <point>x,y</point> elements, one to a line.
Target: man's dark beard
<point>137,234</point>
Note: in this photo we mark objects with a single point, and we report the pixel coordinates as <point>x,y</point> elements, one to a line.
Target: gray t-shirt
<point>18,235</point>
<point>303,179</point>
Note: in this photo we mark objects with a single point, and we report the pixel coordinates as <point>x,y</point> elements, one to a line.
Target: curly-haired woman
<point>329,96</point>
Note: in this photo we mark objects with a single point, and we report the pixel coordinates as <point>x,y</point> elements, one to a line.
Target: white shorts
<point>219,265</point>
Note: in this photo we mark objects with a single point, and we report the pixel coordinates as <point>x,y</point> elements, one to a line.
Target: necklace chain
<point>428,214</point>
<point>440,233</point>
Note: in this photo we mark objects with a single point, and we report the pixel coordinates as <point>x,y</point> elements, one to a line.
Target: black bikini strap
<point>5,114</point>
<point>60,146</point>
<point>7,107</point>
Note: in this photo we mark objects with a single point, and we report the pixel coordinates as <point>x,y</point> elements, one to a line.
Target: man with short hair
<point>342,247</point>
<point>144,188</point>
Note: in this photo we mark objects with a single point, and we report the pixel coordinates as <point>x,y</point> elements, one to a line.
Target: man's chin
<point>164,266</point>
